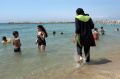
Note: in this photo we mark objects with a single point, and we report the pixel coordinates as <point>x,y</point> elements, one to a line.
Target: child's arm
<point>36,42</point>
<point>42,35</point>
<point>19,42</point>
<point>13,42</point>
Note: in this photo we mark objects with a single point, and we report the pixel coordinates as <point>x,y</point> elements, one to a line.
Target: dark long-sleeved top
<point>83,27</point>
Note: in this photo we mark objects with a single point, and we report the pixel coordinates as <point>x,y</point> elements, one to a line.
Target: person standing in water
<point>54,33</point>
<point>102,31</point>
<point>16,42</point>
<point>96,34</point>
<point>117,29</point>
<point>61,33</point>
<point>41,35</point>
<point>83,34</point>
<point>5,40</point>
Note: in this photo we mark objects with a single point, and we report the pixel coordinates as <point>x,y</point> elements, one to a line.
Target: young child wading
<point>5,40</point>
<point>96,34</point>
<point>16,42</point>
<point>42,34</point>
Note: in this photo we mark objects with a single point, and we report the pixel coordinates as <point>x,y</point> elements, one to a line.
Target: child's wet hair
<point>101,27</point>
<point>43,29</point>
<point>96,29</point>
<point>4,38</point>
<point>15,33</point>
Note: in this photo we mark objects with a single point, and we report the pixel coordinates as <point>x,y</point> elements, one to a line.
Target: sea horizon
<point>108,21</point>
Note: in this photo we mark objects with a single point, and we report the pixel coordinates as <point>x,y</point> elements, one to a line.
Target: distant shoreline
<point>96,21</point>
<point>40,22</point>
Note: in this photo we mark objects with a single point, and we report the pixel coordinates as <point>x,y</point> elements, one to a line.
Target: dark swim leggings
<point>86,51</point>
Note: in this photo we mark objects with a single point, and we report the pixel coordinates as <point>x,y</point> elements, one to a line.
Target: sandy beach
<point>102,68</point>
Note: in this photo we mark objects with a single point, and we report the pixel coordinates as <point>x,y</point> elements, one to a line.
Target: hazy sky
<point>55,10</point>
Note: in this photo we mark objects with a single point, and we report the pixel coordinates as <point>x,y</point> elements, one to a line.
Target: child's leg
<point>17,51</point>
<point>20,51</point>
<point>43,48</point>
<point>39,47</point>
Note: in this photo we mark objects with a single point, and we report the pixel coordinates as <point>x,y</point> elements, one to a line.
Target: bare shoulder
<point>16,39</point>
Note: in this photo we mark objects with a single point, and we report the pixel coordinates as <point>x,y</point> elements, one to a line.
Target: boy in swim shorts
<point>16,42</point>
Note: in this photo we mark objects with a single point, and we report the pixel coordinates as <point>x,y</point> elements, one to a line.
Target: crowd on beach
<point>84,36</point>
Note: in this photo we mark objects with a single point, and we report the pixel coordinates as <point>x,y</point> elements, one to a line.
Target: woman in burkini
<point>41,35</point>
<point>83,35</point>
<point>5,40</point>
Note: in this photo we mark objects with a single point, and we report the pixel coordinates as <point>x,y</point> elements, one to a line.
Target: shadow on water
<point>100,61</point>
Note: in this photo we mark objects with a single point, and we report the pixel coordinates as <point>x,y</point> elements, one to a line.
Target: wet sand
<point>102,68</point>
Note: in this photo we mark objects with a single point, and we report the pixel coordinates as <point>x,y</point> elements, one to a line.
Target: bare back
<point>16,43</point>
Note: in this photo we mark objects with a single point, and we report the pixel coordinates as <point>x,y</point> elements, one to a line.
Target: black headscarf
<point>80,11</point>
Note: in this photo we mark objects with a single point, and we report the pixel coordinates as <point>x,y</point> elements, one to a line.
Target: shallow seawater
<point>58,61</point>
